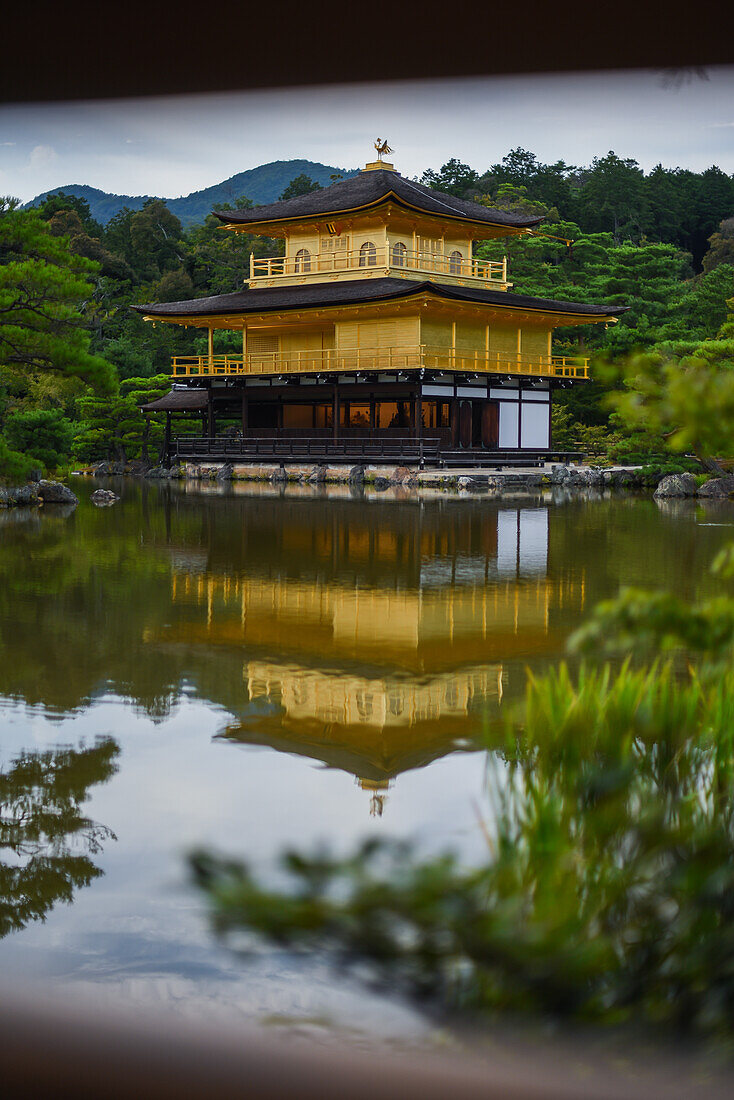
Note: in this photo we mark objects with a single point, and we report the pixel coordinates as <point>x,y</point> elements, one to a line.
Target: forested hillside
<point>75,360</point>
<point>261,185</point>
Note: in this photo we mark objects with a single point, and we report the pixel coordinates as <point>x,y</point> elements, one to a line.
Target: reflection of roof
<point>178,400</point>
<point>382,756</point>
<point>356,291</point>
<point>371,189</point>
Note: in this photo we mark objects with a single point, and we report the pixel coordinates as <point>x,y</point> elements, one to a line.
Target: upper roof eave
<point>369,190</point>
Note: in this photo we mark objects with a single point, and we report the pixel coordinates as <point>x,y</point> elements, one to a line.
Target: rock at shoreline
<point>53,492</point>
<point>356,475</point>
<point>677,485</point>
<point>225,473</point>
<point>718,487</point>
<point>19,496</point>
<point>103,497</point>
<point>401,475</point>
<point>380,484</point>
<point>587,477</point>
<point>108,469</point>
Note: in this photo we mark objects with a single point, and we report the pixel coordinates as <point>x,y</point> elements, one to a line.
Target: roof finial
<point>383,149</point>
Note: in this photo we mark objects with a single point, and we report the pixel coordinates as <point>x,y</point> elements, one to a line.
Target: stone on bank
<point>677,485</point>
<point>717,487</point>
<point>36,493</point>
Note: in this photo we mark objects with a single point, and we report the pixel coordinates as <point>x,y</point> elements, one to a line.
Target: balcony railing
<point>351,360</point>
<point>376,261</point>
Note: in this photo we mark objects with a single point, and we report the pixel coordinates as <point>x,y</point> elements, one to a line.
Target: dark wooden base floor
<point>388,451</point>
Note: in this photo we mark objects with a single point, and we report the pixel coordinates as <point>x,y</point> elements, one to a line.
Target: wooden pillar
<point>372,415</point>
<point>146,434</point>
<point>211,424</point>
<point>455,422</point>
<point>244,344</point>
<point>335,412</point>
<point>419,415</point>
<point>211,350</point>
<point>166,438</point>
<point>244,411</point>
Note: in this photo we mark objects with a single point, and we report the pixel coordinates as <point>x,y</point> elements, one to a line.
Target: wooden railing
<point>387,449</point>
<point>329,360</point>
<point>377,260</point>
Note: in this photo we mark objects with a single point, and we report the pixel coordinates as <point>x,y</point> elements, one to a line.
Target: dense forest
<point>75,360</point>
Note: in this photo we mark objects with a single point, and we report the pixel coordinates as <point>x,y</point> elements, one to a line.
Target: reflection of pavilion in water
<point>378,678</point>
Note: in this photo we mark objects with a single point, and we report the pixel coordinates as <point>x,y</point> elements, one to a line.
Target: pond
<point>253,668</point>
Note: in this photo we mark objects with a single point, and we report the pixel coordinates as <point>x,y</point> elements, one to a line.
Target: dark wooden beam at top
<point>94,51</point>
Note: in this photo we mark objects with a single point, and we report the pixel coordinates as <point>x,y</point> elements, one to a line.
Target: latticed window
<point>303,260</point>
<point>431,245</point>
<point>399,254</point>
<point>368,254</point>
<point>334,244</point>
<point>455,262</point>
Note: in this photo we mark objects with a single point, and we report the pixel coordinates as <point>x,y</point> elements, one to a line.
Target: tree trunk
<point>711,466</point>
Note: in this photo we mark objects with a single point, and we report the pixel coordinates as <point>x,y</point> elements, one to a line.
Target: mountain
<point>261,185</point>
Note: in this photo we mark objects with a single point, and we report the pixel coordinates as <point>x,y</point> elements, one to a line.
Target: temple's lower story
<point>442,419</point>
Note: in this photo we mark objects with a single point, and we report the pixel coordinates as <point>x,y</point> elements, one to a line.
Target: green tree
<point>52,204</point>
<point>115,428</point>
<point>721,246</point>
<point>454,178</point>
<point>613,197</point>
<point>300,185</point>
<point>43,434</point>
<point>43,289</point>
<point>67,223</point>
<point>713,202</point>
<point>219,258</point>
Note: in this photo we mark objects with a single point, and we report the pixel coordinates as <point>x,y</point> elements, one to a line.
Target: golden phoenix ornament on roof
<point>383,149</point>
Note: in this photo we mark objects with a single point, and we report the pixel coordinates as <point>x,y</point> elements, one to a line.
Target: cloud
<point>719,125</point>
<point>7,144</point>
<point>42,155</point>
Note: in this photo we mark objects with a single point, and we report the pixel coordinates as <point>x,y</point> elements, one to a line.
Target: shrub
<point>45,434</point>
<point>15,468</point>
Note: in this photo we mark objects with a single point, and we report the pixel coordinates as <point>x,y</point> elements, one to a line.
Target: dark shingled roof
<point>370,189</point>
<point>178,401</point>
<point>264,300</point>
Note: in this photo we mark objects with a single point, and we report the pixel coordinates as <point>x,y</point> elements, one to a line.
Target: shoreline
<point>497,483</point>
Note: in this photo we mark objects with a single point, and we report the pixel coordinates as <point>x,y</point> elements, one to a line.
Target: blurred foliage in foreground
<point>607,894</point>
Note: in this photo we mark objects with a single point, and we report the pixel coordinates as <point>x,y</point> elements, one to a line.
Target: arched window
<point>399,253</point>
<point>368,254</point>
<point>303,260</point>
<point>455,262</point>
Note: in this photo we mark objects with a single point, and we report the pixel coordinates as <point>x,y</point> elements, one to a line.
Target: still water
<point>249,669</point>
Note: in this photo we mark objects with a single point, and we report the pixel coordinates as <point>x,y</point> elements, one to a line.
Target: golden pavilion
<point>377,336</point>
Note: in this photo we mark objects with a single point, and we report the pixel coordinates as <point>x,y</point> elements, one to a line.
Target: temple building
<point>376,336</point>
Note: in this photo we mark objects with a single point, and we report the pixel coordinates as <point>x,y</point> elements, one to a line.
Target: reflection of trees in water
<point>86,604</point>
<point>41,825</point>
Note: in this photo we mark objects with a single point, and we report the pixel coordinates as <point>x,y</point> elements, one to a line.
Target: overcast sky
<point>174,145</point>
